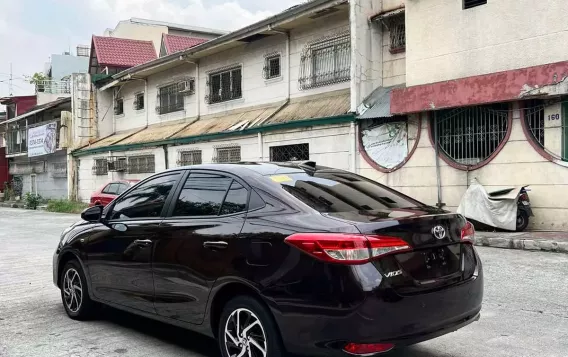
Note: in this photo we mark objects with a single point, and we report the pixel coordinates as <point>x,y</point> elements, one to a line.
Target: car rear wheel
<point>247,329</point>
<point>75,292</point>
<point>522,220</point>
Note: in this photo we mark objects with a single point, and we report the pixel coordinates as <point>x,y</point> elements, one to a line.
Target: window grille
<point>548,130</point>
<point>100,167</point>
<point>116,164</point>
<point>139,101</point>
<point>144,164</point>
<point>469,136</point>
<point>59,170</point>
<point>397,33</point>
<point>468,4</point>
<point>326,62</point>
<point>20,169</point>
<point>272,67</point>
<point>227,154</point>
<point>192,157</point>
<point>225,85</point>
<point>169,99</point>
<point>298,152</point>
<point>119,106</point>
<point>83,51</point>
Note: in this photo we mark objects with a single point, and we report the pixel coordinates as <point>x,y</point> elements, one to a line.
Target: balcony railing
<point>53,87</point>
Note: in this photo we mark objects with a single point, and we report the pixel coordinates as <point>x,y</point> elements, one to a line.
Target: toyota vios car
<point>275,258</point>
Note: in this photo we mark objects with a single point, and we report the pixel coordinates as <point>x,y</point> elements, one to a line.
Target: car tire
<point>75,292</point>
<point>522,220</point>
<point>262,333</point>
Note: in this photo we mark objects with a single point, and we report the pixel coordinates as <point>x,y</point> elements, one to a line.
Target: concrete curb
<point>505,242</point>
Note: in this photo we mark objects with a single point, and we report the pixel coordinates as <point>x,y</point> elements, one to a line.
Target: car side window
<point>146,200</point>
<point>121,188</point>
<point>202,195</point>
<point>110,188</point>
<point>236,199</point>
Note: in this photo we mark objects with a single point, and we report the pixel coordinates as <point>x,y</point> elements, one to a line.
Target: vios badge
<point>439,232</point>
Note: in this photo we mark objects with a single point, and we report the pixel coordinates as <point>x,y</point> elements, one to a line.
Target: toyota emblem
<point>439,232</point>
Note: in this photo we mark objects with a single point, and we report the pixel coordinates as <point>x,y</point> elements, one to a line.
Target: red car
<point>110,191</point>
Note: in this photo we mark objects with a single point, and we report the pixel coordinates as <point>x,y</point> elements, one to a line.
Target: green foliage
<point>66,206</point>
<point>36,77</point>
<point>32,201</point>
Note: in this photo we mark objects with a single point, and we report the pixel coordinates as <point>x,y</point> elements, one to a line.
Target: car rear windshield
<point>342,192</point>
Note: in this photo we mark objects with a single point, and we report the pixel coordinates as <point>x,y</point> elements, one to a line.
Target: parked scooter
<point>524,210</point>
<point>508,209</point>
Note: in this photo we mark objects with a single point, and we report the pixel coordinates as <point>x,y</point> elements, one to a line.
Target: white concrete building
<point>276,90</point>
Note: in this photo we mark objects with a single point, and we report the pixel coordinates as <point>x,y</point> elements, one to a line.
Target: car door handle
<point>143,241</point>
<point>215,245</point>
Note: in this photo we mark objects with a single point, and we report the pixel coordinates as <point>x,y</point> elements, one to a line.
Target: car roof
<point>261,168</point>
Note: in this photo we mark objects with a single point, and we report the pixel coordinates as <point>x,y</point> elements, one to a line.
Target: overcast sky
<point>32,30</point>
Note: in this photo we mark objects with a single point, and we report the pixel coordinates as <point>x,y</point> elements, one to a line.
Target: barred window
<point>397,33</point>
<point>547,123</point>
<point>139,101</point>
<point>326,62</point>
<point>100,167</point>
<point>192,157</point>
<point>228,154</point>
<point>225,85</point>
<point>144,164</point>
<point>298,152</point>
<point>272,67</point>
<point>119,106</point>
<point>169,99</point>
<point>470,136</point>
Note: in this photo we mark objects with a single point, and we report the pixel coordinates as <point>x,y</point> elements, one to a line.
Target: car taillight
<point>346,248</point>
<point>367,348</point>
<point>524,197</point>
<point>468,232</point>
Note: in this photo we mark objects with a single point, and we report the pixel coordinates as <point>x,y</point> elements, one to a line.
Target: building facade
<point>414,94</point>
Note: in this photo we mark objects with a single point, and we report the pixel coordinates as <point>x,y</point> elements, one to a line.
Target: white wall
<point>137,31</point>
<point>446,42</point>
<point>256,90</point>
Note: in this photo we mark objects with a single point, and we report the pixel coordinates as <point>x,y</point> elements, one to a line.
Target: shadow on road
<point>203,345</point>
<point>183,338</point>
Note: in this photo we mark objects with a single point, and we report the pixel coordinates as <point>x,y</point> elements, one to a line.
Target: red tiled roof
<point>176,43</point>
<point>122,52</point>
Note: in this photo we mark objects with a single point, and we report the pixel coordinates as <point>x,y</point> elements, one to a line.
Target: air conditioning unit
<point>187,86</point>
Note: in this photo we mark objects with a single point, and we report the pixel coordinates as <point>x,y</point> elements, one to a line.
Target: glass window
<point>236,200</point>
<point>147,200</point>
<point>111,189</point>
<point>121,188</point>
<point>343,192</point>
<point>202,195</point>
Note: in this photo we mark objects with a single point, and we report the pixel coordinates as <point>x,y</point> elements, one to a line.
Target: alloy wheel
<point>72,290</point>
<point>244,335</point>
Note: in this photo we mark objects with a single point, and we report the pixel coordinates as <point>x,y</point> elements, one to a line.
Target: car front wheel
<point>247,329</point>
<point>74,292</point>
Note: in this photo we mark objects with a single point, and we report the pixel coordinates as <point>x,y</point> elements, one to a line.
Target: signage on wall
<point>42,140</point>
<point>386,144</point>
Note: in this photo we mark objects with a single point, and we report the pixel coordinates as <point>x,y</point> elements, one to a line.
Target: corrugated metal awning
<point>38,109</point>
<point>377,104</point>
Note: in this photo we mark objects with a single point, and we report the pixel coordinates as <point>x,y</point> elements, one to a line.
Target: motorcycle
<point>524,210</point>
<point>508,209</point>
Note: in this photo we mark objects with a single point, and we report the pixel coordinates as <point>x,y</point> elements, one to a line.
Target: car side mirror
<point>92,214</point>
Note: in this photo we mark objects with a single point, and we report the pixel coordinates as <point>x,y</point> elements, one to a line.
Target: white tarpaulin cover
<point>386,144</point>
<point>498,212</point>
<point>42,139</point>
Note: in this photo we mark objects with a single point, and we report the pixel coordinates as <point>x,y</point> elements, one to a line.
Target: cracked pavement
<point>525,312</point>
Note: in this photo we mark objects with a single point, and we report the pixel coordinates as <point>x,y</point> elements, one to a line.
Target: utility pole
<point>10,87</point>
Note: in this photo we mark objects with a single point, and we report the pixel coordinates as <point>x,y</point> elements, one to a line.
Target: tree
<point>37,79</point>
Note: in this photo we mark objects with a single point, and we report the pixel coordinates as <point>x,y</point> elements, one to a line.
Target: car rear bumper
<point>383,317</point>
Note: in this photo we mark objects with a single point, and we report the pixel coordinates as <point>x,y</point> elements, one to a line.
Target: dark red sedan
<point>110,191</point>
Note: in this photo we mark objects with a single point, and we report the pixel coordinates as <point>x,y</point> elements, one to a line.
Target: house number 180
<point>554,117</point>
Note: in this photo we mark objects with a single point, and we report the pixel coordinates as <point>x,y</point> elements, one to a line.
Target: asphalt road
<point>525,312</point>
